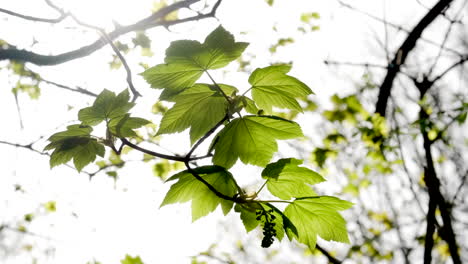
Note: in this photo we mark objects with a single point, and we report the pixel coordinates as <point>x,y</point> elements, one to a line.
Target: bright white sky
<point>112,221</point>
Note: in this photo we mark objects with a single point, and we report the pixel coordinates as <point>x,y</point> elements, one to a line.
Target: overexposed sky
<point>100,220</point>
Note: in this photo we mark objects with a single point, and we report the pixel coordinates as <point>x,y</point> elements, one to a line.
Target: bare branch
<point>402,53</point>
<point>154,20</point>
<point>330,258</point>
<point>35,19</point>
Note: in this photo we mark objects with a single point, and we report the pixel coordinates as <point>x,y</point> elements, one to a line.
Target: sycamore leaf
<point>252,139</point>
<point>286,179</point>
<point>106,106</point>
<point>172,77</point>
<point>200,107</point>
<point>249,218</point>
<point>272,87</point>
<point>186,60</point>
<point>203,200</point>
<point>74,143</point>
<point>123,126</point>
<point>318,215</point>
<point>249,105</point>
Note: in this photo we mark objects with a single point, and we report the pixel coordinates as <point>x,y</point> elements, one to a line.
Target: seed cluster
<point>269,232</point>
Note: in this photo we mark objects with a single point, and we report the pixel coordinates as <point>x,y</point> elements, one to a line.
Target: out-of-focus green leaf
<point>131,260</point>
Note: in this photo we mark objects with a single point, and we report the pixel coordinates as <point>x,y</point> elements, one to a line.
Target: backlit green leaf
<point>249,218</point>
<point>252,139</point>
<point>272,87</point>
<point>200,107</point>
<point>173,78</point>
<point>287,180</point>
<point>106,106</point>
<point>318,215</point>
<point>123,126</point>
<point>186,60</point>
<point>204,201</point>
<point>75,143</point>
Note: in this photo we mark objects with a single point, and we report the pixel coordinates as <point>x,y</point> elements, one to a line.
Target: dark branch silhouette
<point>402,53</point>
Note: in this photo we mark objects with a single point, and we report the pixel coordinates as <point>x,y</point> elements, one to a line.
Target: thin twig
<point>152,153</point>
<point>211,131</point>
<point>403,51</point>
<point>77,89</point>
<point>35,19</point>
<point>218,87</point>
<point>330,258</point>
<point>154,20</point>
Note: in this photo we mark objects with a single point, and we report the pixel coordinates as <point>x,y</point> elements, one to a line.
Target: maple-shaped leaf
<point>123,126</point>
<point>200,107</point>
<point>204,201</point>
<point>271,86</point>
<point>186,60</point>
<point>252,139</point>
<point>287,180</point>
<point>318,215</point>
<point>249,217</point>
<point>75,143</point>
<point>106,106</point>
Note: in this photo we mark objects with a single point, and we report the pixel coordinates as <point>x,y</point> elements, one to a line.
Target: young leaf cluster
<point>209,108</point>
<point>78,144</point>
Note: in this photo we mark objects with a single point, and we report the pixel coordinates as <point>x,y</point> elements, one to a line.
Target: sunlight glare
<point>104,13</point>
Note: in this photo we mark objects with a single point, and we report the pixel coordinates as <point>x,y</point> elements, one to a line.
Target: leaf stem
<point>213,189</point>
<point>274,201</point>
<point>152,153</point>
<point>211,131</point>
<point>219,88</point>
<point>263,185</point>
<point>244,93</point>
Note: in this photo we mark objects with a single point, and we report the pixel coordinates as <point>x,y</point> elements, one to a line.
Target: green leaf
<point>131,260</point>
<point>123,126</point>
<point>74,143</point>
<point>247,216</point>
<point>272,87</point>
<point>203,200</point>
<point>186,60</point>
<point>50,206</point>
<point>172,77</point>
<point>71,132</point>
<point>318,215</point>
<point>200,107</point>
<point>252,139</point>
<point>287,180</point>
<point>106,106</point>
<point>287,225</point>
<point>249,105</point>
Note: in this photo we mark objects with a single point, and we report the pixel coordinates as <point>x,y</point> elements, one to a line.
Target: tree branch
<point>156,19</point>
<point>433,186</point>
<point>331,259</point>
<point>402,53</point>
<point>35,19</point>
